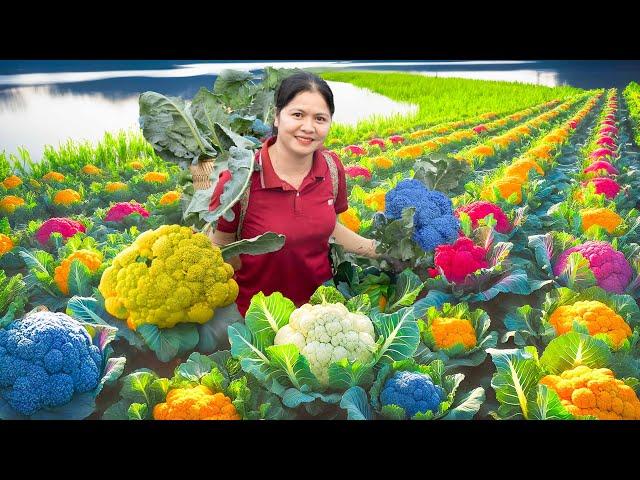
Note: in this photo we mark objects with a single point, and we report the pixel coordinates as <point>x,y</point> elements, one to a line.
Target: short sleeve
<point>341,204</point>
<point>223,225</point>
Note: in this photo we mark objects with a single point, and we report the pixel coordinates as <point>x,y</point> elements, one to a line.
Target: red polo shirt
<point>306,217</point>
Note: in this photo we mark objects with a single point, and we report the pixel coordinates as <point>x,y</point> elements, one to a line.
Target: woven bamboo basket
<point>200,174</point>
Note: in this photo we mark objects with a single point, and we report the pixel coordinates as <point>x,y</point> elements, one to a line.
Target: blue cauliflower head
<point>45,358</point>
<point>413,391</point>
<point>434,221</point>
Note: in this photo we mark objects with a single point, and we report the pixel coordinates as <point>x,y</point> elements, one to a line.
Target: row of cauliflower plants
<point>610,275</point>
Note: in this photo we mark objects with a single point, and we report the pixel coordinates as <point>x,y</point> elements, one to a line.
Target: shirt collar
<point>269,177</point>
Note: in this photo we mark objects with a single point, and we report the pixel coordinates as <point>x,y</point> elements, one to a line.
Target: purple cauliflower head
<point>611,270</point>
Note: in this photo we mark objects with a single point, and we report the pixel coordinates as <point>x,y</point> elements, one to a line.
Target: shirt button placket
<point>297,203</point>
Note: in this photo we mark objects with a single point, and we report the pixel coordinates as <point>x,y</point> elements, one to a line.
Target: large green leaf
<point>573,349</point>
<point>84,309</point>
<point>398,332</point>
<point>289,364</point>
<point>408,287</point>
<point>577,273</point>
<point>266,243</point>
<point>169,342</point>
<point>359,304</point>
<point>252,359</point>
<point>293,398</point>
<point>542,246</point>
<point>38,261</point>
<point>136,387</point>
<point>229,82</point>
<point>547,405</point>
<point>467,406</point>
<point>356,403</point>
<point>325,294</point>
<point>112,371</point>
<point>196,367</point>
<point>515,381</point>
<point>266,315</point>
<point>229,139</point>
<point>137,411</point>
<point>213,334</point>
<point>207,111</point>
<point>434,298</point>
<point>167,124</point>
<point>117,411</point>
<point>344,374</point>
<point>525,325</point>
<point>79,281</point>
<point>515,282</point>
<point>241,166</point>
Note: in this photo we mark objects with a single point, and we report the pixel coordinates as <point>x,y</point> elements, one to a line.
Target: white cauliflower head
<point>328,333</point>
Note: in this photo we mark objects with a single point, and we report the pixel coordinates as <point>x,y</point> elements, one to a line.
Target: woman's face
<point>303,123</point>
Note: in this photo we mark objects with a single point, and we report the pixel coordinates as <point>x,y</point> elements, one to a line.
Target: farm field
<point>507,220</point>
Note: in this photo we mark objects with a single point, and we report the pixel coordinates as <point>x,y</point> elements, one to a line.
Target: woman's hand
<point>354,243</point>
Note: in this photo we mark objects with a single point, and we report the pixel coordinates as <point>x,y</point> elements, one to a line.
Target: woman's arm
<point>220,239</point>
<point>354,243</point>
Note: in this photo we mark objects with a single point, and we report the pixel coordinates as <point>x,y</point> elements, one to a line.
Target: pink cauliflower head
<point>605,185</point>
<point>65,226</point>
<point>612,271</point>
<point>357,171</point>
<point>602,152</point>
<point>377,141</point>
<point>573,124</point>
<point>120,210</point>
<point>459,259</point>
<point>608,129</point>
<point>602,165</point>
<point>480,209</point>
<point>480,128</point>
<point>396,139</point>
<point>608,141</point>
<point>355,150</point>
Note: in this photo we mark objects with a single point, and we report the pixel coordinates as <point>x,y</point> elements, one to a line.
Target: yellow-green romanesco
<point>168,276</point>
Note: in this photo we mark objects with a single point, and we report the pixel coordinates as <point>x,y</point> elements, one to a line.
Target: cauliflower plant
<point>328,333</point>
<point>415,392</point>
<point>168,276</point>
<point>45,358</point>
<point>609,267</point>
<point>434,221</point>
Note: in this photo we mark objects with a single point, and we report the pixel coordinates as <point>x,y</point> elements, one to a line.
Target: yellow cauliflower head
<point>168,276</point>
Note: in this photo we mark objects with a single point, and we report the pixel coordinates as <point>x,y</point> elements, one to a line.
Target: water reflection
<point>33,117</point>
<point>536,77</point>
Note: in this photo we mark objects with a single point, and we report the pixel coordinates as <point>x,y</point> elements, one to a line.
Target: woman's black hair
<point>300,82</point>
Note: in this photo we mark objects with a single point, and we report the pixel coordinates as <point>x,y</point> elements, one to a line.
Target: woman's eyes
<point>299,115</point>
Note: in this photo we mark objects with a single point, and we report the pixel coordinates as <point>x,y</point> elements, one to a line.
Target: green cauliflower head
<point>328,333</point>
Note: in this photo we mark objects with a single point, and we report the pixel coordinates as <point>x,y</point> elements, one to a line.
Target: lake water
<point>48,102</point>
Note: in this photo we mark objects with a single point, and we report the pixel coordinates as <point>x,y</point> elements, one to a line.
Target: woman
<point>293,194</point>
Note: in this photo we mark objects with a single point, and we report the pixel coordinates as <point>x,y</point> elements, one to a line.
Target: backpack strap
<point>244,199</point>
<point>333,172</point>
